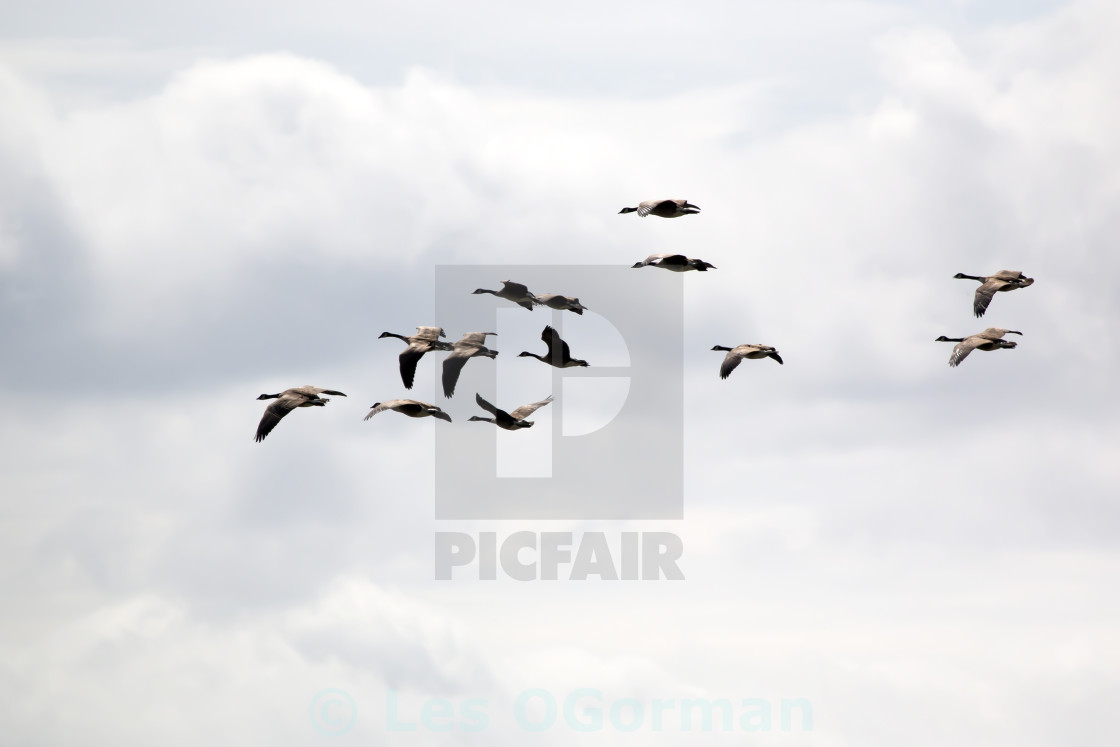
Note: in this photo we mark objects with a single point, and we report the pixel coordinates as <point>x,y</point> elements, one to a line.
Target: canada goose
<point>511,421</point>
<point>413,408</point>
<point>426,339</point>
<point>288,400</point>
<point>674,262</point>
<point>515,292</point>
<point>1004,280</point>
<point>738,353</point>
<point>989,339</point>
<point>662,208</point>
<point>558,353</point>
<point>561,303</point>
<point>470,345</point>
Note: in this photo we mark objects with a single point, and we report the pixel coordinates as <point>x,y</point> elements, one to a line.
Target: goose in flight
<point>413,408</point>
<point>1002,281</point>
<point>515,292</point>
<point>674,262</point>
<point>511,421</point>
<point>470,345</point>
<point>288,400</point>
<point>662,208</point>
<point>425,340</point>
<point>561,303</point>
<point>558,353</point>
<point>736,354</point>
<point>989,339</point>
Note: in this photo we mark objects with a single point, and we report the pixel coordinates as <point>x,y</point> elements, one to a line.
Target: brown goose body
<point>1001,282</point>
<point>424,341</point>
<point>736,355</point>
<point>510,421</point>
<point>558,354</point>
<point>664,208</point>
<point>989,339</point>
<point>288,400</point>
<point>469,346</point>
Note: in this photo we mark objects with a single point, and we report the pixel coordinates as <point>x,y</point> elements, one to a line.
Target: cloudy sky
<point>203,202</point>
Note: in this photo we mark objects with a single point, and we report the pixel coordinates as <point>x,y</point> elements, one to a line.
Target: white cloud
<point>866,528</point>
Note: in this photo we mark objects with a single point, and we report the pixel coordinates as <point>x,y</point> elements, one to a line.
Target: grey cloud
<point>862,514</point>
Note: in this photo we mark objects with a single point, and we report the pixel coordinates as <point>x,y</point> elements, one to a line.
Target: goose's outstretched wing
<point>486,405</point>
<point>276,411</point>
<point>452,367</point>
<point>556,345</point>
<point>984,295</point>
<point>648,206</point>
<point>526,410</point>
<point>731,361</point>
<point>963,348</point>
<point>476,338</point>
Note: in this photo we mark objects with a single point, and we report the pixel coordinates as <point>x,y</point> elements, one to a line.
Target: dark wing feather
<point>730,362</point>
<point>273,414</point>
<point>552,338</point>
<point>984,296</point>
<point>485,405</point>
<point>674,259</point>
<point>518,289</point>
<point>452,367</point>
<point>409,358</point>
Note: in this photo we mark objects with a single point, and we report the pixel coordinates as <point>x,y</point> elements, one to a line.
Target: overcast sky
<point>203,202</point>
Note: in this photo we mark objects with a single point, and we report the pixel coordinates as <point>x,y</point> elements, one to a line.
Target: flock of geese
<point>557,352</point>
<point>992,337</point>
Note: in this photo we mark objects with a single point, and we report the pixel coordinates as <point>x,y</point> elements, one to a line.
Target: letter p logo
<point>610,445</point>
